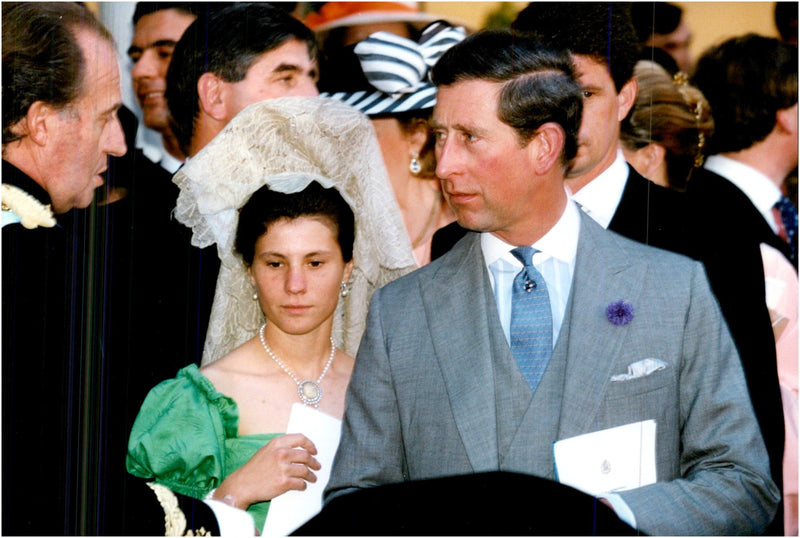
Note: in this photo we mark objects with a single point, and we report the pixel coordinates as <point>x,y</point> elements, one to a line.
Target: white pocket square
<point>640,368</point>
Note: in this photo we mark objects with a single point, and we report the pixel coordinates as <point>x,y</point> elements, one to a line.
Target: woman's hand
<point>284,463</point>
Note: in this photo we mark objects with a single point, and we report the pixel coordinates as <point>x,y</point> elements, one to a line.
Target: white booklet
<point>609,460</point>
<point>290,510</point>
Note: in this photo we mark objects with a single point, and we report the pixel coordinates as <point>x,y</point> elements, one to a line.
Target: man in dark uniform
<point>60,101</point>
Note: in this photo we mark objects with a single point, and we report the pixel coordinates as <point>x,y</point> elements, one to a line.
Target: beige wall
<point>714,22</point>
<point>710,22</point>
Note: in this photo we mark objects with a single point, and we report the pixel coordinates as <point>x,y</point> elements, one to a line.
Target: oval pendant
<point>310,392</point>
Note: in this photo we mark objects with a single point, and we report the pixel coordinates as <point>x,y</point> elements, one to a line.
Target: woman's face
<point>297,270</point>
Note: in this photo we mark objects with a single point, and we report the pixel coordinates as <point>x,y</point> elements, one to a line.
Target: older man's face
<point>87,131</point>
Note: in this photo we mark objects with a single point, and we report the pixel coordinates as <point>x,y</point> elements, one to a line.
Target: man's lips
<point>151,97</point>
<point>460,197</point>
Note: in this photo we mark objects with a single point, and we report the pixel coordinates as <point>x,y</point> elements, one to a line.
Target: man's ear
<point>38,123</point>
<point>626,98</point>
<point>547,146</point>
<point>786,119</point>
<point>210,90</point>
<point>653,156</point>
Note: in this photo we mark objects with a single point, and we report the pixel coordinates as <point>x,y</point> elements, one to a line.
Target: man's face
<point>485,172</point>
<point>603,109</point>
<point>286,71</point>
<point>87,131</point>
<point>676,44</point>
<point>154,39</point>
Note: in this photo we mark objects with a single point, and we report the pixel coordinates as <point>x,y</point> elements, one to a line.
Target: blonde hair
<point>671,113</point>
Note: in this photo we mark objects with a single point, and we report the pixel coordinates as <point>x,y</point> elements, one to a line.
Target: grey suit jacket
<point>436,392</point>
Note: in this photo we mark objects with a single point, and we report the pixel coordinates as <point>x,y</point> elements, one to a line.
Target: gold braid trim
<point>174,519</point>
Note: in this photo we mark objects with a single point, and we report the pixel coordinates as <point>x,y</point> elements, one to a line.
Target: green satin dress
<point>186,438</point>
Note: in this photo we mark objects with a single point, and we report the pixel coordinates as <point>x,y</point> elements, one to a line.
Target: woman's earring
<point>345,288</point>
<point>414,166</point>
<point>255,296</point>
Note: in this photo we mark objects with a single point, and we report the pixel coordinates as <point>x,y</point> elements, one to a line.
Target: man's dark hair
<point>539,84</point>
<point>654,18</point>
<point>746,80</point>
<point>601,30</point>
<point>266,206</point>
<point>786,21</point>
<point>148,8</point>
<point>226,44</point>
<point>42,60</point>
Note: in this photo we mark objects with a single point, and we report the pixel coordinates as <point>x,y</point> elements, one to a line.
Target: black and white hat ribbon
<point>398,69</point>
<point>394,64</point>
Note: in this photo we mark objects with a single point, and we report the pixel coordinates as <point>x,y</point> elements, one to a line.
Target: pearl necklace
<point>310,392</point>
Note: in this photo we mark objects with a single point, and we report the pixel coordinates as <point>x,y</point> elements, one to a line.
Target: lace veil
<point>287,143</point>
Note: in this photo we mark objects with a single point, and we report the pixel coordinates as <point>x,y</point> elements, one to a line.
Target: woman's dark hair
<point>266,206</point>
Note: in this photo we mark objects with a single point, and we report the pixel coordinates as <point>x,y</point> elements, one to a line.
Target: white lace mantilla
<point>286,143</point>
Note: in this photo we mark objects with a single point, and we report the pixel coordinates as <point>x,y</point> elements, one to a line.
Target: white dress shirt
<point>760,189</point>
<point>600,197</point>
<point>151,144</point>
<point>555,261</point>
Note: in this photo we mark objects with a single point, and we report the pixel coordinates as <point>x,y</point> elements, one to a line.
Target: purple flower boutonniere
<point>619,312</point>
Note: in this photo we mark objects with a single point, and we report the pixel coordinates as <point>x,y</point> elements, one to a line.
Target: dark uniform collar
<point>16,177</point>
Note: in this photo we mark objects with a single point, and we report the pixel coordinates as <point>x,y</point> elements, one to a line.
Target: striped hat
<point>387,74</point>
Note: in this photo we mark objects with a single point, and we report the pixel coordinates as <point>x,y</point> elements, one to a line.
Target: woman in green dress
<point>219,431</point>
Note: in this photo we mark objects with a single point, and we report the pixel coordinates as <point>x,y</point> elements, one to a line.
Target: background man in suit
<point>751,84</point>
<point>436,390</point>
<point>245,54</point>
<point>157,29</point>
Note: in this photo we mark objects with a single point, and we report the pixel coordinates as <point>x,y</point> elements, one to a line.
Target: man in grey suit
<point>636,333</point>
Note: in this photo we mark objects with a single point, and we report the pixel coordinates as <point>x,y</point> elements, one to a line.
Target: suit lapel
<point>604,274</point>
<point>462,317</point>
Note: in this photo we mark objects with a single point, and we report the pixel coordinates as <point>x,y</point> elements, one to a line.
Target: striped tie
<point>531,319</point>
<point>786,217</point>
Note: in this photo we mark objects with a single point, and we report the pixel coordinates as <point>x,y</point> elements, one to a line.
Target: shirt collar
<point>151,144</point>
<point>560,242</point>
<point>601,196</point>
<point>760,189</point>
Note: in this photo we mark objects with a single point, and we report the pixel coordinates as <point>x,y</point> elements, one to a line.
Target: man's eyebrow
<point>112,109</point>
<point>282,68</point>
<point>133,49</point>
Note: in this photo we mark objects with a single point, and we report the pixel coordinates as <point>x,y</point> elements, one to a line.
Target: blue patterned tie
<point>531,319</point>
<point>789,217</point>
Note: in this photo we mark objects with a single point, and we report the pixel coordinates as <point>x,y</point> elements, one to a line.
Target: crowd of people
<point>381,264</point>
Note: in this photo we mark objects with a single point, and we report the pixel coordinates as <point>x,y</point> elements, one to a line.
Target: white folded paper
<point>609,460</point>
<point>290,510</point>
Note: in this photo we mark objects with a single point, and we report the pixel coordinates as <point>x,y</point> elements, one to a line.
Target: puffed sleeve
<point>179,435</point>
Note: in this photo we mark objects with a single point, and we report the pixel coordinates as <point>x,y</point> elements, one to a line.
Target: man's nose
<point>306,88</point>
<point>146,66</point>
<point>115,142</point>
